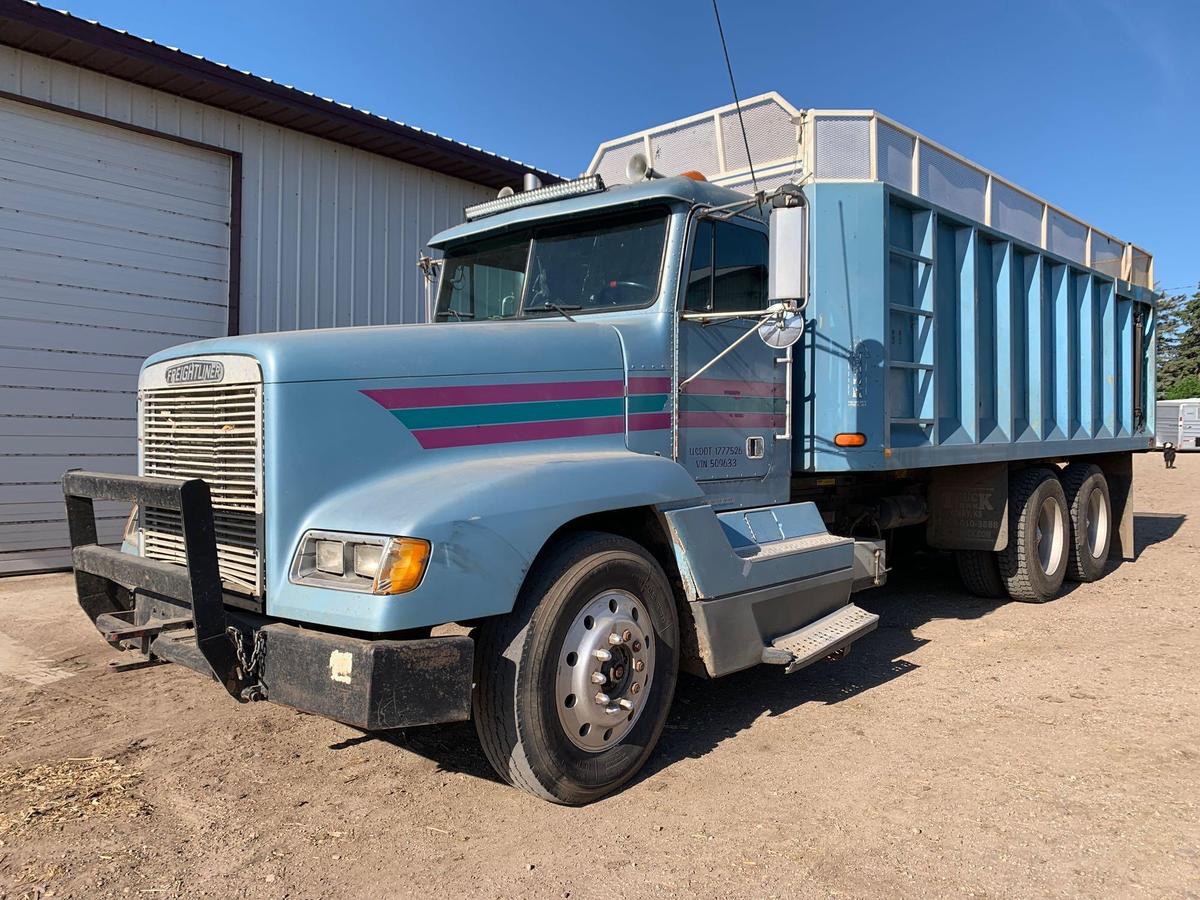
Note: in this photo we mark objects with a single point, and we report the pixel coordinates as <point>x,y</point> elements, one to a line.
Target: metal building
<point>149,197</point>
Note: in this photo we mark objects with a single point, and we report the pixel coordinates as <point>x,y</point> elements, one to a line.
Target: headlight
<point>366,560</point>
<point>331,557</point>
<point>366,563</point>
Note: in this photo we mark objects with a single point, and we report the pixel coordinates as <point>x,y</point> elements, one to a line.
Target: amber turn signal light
<point>403,566</point>
<point>850,439</point>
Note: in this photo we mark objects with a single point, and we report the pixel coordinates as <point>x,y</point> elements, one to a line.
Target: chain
<point>249,666</point>
<point>256,653</point>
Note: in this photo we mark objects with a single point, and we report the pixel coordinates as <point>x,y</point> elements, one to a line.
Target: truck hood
<point>424,351</point>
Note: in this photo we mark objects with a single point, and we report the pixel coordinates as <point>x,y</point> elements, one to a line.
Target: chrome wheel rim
<point>605,668</point>
<point>1049,536</point>
<point>1097,523</point>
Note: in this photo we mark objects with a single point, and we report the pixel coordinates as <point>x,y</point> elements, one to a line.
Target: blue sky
<point>1092,104</point>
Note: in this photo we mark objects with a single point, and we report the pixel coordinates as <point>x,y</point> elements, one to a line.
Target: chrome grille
<point>212,432</point>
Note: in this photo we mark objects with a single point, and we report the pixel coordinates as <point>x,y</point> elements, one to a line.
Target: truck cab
<point>677,288</point>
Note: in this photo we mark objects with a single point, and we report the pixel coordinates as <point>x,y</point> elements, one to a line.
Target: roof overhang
<point>90,45</point>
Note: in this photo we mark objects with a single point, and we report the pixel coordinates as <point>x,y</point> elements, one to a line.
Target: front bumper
<point>177,614</point>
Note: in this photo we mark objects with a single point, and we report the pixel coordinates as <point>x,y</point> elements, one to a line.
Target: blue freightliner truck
<point>673,423</point>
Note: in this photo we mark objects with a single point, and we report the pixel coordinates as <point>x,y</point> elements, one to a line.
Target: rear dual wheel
<point>1091,521</point>
<point>1034,563</point>
<point>574,685</point>
<point>1060,527</point>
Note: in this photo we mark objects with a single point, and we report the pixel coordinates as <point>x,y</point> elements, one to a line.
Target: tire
<point>534,670</point>
<point>1034,563</point>
<point>980,573</point>
<point>1090,508</point>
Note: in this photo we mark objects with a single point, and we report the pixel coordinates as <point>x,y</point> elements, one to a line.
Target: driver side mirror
<point>787,275</point>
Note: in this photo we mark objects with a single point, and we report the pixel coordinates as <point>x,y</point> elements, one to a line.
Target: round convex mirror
<point>782,330</point>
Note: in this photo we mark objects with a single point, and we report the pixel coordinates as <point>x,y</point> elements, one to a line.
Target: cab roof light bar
<point>589,184</point>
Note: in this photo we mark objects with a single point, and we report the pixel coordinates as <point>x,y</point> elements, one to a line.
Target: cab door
<point>729,416</point>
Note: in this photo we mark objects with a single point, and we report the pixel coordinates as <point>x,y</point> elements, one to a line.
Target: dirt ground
<point>966,748</point>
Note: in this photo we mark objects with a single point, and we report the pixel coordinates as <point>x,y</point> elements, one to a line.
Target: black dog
<point>1169,454</point>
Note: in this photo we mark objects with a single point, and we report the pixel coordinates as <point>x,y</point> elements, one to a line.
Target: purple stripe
<point>649,421</point>
<point>472,435</point>
<point>467,395</point>
<point>649,385</point>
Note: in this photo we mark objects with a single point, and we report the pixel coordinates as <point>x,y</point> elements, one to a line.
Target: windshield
<point>603,265</point>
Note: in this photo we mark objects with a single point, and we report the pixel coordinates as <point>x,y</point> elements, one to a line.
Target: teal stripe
<point>647,403</point>
<point>508,413</point>
<point>725,403</point>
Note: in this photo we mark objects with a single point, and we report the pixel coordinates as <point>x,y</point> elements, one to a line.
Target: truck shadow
<point>707,712</point>
<point>924,588</point>
<point>1153,528</point>
<point>1148,529</point>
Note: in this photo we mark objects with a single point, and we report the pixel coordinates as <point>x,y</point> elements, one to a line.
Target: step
<point>793,545</point>
<point>826,636</point>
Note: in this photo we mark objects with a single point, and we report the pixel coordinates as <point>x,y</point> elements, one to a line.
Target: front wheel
<point>574,685</point>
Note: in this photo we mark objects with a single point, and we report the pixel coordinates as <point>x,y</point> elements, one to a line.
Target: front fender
<point>487,518</point>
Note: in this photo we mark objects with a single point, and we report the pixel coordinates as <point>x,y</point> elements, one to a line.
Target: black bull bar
<point>101,572</point>
<point>377,684</point>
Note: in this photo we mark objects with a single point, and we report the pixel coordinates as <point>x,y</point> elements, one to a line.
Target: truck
<point>658,422</point>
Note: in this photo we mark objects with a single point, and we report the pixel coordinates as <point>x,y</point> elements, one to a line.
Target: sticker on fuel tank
<point>341,666</point>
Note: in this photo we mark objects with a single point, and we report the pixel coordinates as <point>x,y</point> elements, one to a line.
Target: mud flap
<point>1118,469</point>
<point>968,507</point>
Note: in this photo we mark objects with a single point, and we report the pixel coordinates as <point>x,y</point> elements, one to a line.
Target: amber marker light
<point>850,439</point>
<point>694,175</point>
<point>402,567</point>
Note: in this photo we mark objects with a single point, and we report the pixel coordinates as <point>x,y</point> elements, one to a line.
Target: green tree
<point>1185,388</point>
<point>1178,345</point>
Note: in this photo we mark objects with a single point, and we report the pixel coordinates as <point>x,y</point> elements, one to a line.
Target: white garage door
<point>113,245</point>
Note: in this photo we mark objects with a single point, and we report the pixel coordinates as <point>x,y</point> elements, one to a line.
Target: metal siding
<point>1107,353</point>
<point>330,236</point>
<point>292,276</point>
<point>113,245</point>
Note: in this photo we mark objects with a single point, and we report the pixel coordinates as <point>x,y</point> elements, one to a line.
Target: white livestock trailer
<point>1177,422</point>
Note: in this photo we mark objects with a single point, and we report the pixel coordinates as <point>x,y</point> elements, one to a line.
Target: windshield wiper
<point>549,305</point>
<point>454,312</point>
